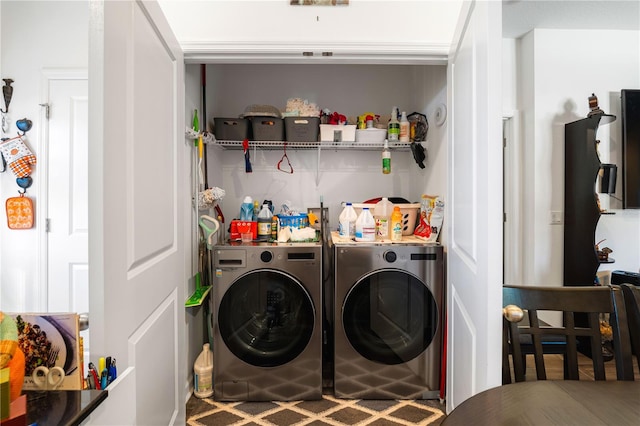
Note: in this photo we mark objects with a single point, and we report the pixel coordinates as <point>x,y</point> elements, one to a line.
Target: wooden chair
<point>632,303</point>
<point>581,308</point>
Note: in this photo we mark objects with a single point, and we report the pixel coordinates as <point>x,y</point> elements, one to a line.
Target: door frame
<point>513,200</point>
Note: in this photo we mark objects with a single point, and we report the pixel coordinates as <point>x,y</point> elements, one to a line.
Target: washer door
<point>266,318</point>
<point>390,317</point>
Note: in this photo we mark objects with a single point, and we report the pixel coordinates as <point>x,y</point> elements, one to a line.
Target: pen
<point>94,374</point>
<point>103,379</point>
<point>113,373</point>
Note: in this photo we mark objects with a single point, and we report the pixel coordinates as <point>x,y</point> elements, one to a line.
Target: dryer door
<point>266,318</point>
<point>390,316</point>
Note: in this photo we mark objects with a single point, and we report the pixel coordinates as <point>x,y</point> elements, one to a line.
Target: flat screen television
<point>631,148</point>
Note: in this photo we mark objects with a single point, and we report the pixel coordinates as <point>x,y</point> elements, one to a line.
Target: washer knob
<point>266,256</point>
<point>390,256</point>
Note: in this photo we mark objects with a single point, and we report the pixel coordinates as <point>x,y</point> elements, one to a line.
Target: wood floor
<point>553,365</point>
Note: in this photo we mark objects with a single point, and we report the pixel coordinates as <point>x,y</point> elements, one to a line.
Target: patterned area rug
<point>327,411</point>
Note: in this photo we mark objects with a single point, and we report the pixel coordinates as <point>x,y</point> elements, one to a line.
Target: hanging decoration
<point>7,92</point>
<point>20,158</point>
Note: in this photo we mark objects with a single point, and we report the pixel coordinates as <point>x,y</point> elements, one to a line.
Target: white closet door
<point>474,204</point>
<point>138,195</point>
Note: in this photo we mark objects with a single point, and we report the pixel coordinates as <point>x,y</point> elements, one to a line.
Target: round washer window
<point>266,318</point>
<point>390,317</point>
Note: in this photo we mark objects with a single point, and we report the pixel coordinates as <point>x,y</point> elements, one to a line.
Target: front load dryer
<point>388,321</point>
<point>267,322</point>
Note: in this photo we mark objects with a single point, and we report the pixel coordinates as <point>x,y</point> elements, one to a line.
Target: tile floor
<point>337,412</point>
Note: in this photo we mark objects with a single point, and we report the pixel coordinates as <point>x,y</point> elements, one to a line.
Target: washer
<point>388,320</point>
<point>267,322</point>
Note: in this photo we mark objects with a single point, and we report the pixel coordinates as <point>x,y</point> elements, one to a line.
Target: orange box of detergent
<point>238,226</point>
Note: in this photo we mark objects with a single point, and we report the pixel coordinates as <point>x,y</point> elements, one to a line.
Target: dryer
<point>388,320</point>
<point>267,322</point>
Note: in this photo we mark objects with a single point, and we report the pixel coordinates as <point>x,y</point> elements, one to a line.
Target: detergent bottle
<point>203,373</point>
<point>246,209</point>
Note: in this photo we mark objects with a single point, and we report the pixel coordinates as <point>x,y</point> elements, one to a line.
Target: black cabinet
<point>581,210</point>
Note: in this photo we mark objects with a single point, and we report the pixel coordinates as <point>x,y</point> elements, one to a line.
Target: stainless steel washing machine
<point>267,322</point>
<point>388,320</point>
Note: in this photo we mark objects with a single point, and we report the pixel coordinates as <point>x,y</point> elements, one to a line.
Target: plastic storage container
<point>347,222</point>
<point>267,129</point>
<point>301,129</point>
<point>365,226</point>
<point>337,132</point>
<point>371,135</point>
<point>382,215</point>
<point>203,373</point>
<point>232,129</point>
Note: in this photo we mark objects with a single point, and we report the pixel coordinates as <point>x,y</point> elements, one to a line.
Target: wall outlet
<point>556,217</point>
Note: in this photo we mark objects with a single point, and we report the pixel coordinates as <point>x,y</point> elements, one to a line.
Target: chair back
<point>632,303</point>
<point>581,308</point>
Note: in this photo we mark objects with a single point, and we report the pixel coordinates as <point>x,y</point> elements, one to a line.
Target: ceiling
<point>521,16</point>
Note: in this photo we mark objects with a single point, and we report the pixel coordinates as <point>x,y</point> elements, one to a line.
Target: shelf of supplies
<point>359,146</point>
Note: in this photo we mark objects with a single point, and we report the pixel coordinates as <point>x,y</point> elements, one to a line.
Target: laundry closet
<point>417,77</point>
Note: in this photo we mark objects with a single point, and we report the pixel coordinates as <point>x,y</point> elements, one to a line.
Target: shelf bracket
<point>318,166</point>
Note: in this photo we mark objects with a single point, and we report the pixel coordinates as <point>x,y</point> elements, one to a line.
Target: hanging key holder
<point>287,167</point>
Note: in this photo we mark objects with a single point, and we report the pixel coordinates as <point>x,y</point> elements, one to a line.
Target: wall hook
<point>7,92</point>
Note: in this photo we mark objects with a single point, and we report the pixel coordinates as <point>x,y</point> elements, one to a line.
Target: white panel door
<point>138,194</point>
<point>67,204</point>
<point>474,267</point>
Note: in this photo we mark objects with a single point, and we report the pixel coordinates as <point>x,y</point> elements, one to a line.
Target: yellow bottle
<point>396,224</point>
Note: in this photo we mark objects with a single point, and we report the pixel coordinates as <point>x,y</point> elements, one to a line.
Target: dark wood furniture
<point>549,402</point>
<point>67,408</point>
<point>632,302</point>
<point>590,301</point>
<point>581,211</point>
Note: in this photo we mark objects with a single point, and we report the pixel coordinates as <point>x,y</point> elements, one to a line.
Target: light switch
<point>556,217</point>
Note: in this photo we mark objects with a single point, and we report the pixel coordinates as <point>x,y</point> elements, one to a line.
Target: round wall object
<point>441,114</point>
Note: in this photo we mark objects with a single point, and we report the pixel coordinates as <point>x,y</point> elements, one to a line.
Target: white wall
<point>367,21</point>
<point>343,175</point>
<point>557,72</point>
<point>34,35</point>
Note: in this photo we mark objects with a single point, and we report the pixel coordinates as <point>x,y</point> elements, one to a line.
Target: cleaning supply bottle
<point>382,215</point>
<point>265,218</point>
<point>396,224</point>
<point>386,158</point>
<point>404,127</point>
<point>203,373</point>
<point>365,226</point>
<point>347,222</point>
<point>274,227</point>
<point>256,209</point>
<point>246,209</point>
<point>393,129</point>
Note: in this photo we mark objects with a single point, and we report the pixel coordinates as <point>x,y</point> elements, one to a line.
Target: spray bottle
<point>393,129</point>
<point>386,158</point>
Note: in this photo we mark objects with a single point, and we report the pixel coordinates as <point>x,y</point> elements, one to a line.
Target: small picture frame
<point>319,2</point>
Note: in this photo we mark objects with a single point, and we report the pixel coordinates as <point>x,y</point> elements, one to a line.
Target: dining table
<point>552,402</point>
